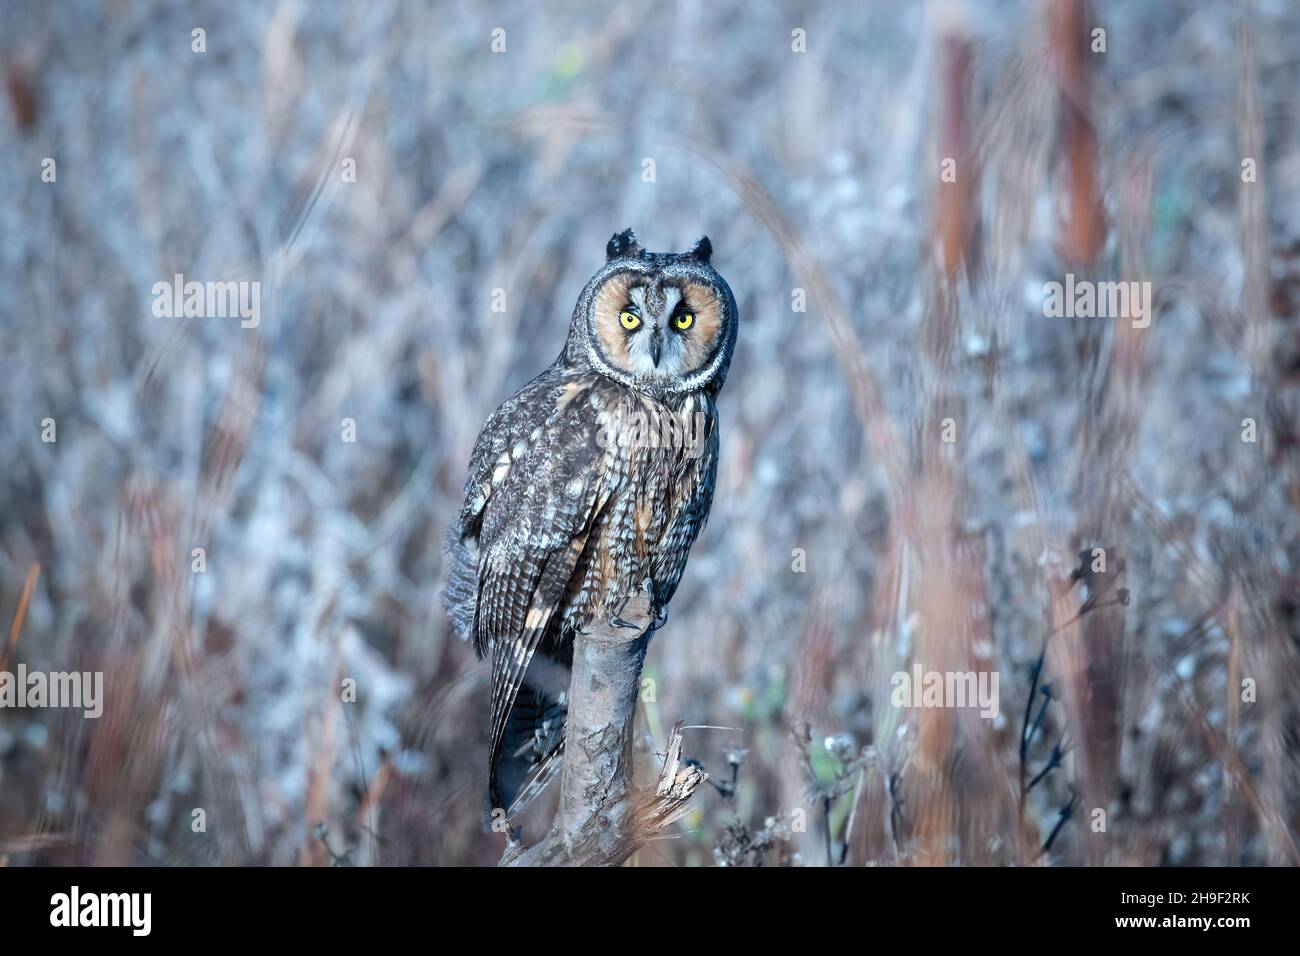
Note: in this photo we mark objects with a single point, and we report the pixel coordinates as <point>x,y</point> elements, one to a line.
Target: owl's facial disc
<point>656,331</point>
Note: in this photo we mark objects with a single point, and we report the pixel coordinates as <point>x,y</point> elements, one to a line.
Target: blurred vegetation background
<point>848,541</point>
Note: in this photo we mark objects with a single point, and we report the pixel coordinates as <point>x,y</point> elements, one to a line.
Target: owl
<point>587,485</point>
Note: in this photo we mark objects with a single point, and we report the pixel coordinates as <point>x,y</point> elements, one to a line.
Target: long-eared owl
<point>591,480</point>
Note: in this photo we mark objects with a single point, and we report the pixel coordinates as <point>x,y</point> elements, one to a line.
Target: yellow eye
<point>630,320</point>
<point>684,321</point>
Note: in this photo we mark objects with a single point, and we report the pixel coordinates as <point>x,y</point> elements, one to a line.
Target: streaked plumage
<point>575,498</point>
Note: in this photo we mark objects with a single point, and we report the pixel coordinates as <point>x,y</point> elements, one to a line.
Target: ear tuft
<point>702,249</point>
<point>623,245</point>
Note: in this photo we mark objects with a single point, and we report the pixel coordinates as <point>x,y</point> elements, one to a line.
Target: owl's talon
<point>617,619</point>
<point>660,619</point>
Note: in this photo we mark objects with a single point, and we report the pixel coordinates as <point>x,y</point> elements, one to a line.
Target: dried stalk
<point>602,820</point>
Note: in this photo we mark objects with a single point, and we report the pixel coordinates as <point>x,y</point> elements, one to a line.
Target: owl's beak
<point>656,347</point>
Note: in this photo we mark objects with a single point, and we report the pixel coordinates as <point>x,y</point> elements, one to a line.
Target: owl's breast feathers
<point>662,461</point>
<point>579,489</point>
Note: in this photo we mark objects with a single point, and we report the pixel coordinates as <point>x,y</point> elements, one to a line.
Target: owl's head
<point>663,323</point>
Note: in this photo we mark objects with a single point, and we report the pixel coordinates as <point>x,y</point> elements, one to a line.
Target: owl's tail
<point>533,741</point>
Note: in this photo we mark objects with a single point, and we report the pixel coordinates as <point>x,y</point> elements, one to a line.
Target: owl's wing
<point>537,482</point>
<point>520,425</point>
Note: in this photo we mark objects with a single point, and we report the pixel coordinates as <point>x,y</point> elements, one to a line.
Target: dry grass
<point>815,171</point>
